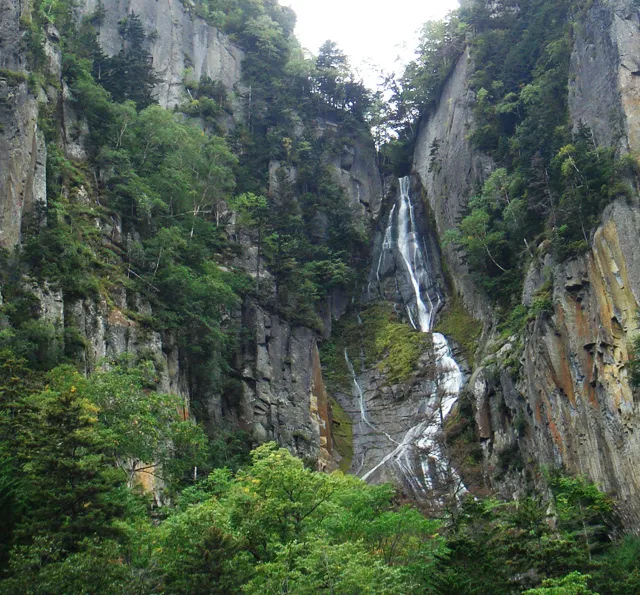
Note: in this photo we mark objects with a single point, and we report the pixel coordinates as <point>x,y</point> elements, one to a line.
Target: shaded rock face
<point>180,41</point>
<point>572,405</point>
<point>560,393</point>
<point>604,83</point>
<point>283,394</point>
<point>383,414</point>
<point>287,400</point>
<point>451,170</point>
<point>357,172</point>
<point>574,390</point>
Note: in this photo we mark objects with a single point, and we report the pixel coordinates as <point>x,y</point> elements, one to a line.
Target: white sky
<point>369,31</point>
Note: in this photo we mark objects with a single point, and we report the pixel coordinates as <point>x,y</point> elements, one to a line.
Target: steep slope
<point>558,392</point>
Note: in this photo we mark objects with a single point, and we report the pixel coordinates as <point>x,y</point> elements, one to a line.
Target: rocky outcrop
<point>383,414</point>
<point>179,41</point>
<point>109,331</point>
<point>451,170</point>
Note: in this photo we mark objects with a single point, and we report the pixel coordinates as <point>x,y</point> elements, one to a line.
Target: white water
<point>449,378</point>
<point>409,248</point>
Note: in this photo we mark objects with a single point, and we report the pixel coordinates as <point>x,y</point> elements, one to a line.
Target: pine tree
<point>70,489</point>
<point>129,75</point>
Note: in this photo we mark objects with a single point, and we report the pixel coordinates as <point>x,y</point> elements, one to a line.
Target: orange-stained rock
<point>320,413</point>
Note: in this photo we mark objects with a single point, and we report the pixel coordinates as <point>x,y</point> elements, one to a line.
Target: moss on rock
<point>342,435</point>
<point>457,323</point>
<point>380,339</point>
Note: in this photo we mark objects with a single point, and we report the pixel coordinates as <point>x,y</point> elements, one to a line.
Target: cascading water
<point>422,299</point>
<point>413,257</point>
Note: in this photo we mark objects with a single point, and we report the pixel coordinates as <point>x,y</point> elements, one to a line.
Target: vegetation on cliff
<point>160,207</point>
<point>551,182</point>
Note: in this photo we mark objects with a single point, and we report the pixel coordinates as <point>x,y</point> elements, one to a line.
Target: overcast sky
<point>368,31</point>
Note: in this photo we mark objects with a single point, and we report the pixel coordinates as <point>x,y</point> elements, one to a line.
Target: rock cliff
<point>281,394</point>
<point>179,41</point>
<point>560,393</point>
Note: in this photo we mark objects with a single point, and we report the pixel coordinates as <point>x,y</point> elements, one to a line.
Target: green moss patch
<point>382,339</point>
<point>342,435</point>
<point>457,323</point>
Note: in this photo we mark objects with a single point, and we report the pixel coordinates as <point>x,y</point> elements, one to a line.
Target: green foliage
<point>72,494</point>
<point>634,362</point>
<point>516,546</point>
<point>572,584</point>
<point>13,77</point>
<point>416,92</point>
<point>128,76</point>
<point>278,523</point>
<point>145,430</point>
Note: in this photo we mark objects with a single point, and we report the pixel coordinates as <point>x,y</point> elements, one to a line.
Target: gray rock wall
<point>181,40</point>
<point>357,172</point>
<point>451,170</point>
<point>283,395</point>
<point>604,83</point>
<point>22,151</point>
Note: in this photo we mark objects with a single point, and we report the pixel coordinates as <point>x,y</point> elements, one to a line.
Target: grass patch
<point>13,77</point>
<point>342,430</point>
<point>457,323</point>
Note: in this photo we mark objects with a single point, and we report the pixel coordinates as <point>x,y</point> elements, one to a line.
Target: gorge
<point>245,347</point>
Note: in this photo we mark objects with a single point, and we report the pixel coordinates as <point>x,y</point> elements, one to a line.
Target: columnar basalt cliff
<point>576,374</point>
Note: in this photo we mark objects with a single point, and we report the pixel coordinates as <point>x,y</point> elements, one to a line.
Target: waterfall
<point>412,255</point>
<point>421,439</point>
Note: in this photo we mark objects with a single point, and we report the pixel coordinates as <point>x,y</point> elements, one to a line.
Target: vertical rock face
<point>22,154</point>
<point>604,83</point>
<point>179,41</point>
<point>283,395</point>
<point>451,170</point>
<point>358,174</point>
<point>584,413</point>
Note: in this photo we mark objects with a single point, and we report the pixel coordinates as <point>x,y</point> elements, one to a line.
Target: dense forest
<point>108,485</point>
